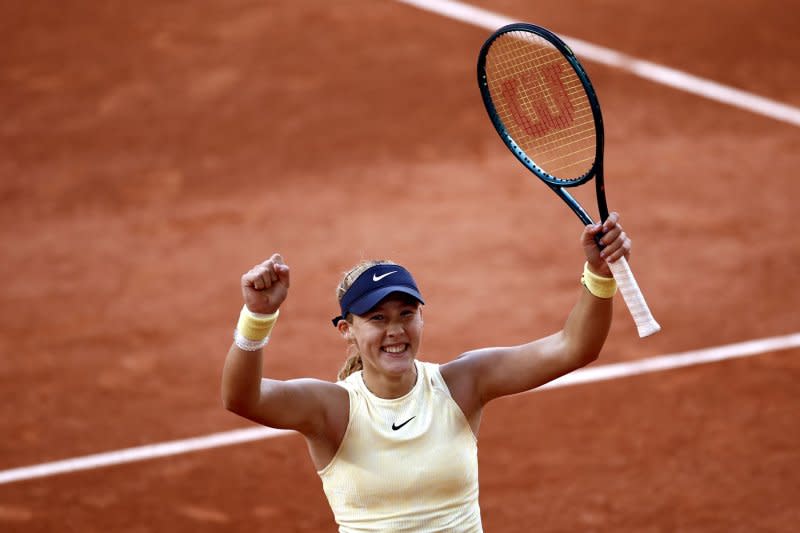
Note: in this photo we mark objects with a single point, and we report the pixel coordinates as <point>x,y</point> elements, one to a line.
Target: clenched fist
<point>266,285</point>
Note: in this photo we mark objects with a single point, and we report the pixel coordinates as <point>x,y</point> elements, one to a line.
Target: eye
<point>376,318</point>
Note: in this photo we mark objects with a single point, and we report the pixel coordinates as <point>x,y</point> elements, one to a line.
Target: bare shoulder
<point>490,373</point>
<point>308,405</point>
<point>314,386</point>
<point>335,402</point>
<point>467,366</point>
<point>334,395</point>
<point>330,396</point>
<point>461,376</point>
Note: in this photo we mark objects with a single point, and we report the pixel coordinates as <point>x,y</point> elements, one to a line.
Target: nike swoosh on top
<point>376,278</point>
<point>395,427</point>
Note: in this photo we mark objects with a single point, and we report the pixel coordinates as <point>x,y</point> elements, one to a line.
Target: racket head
<point>542,104</point>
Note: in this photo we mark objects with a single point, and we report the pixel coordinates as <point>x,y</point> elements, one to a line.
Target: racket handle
<point>634,298</point>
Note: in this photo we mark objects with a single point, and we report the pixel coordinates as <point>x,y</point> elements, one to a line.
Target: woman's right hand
<point>266,285</point>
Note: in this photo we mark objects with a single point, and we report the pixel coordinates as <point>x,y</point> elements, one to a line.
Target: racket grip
<point>634,298</point>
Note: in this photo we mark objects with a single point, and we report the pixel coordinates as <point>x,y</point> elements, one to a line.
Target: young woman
<point>395,439</point>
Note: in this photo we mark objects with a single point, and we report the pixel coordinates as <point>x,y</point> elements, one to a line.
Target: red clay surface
<point>149,154</point>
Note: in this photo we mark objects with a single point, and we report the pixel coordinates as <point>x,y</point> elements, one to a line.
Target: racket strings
<point>525,62</point>
<point>542,104</point>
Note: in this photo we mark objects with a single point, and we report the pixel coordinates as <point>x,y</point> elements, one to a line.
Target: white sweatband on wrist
<point>248,345</point>
<point>253,329</point>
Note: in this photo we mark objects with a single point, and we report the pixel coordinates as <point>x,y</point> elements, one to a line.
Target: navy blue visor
<point>375,284</point>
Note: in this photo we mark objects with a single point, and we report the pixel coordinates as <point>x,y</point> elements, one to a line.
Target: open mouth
<point>395,349</point>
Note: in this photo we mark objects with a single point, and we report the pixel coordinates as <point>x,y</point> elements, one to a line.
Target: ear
<point>345,330</point>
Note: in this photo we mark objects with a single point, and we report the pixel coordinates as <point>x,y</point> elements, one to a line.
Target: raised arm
<point>316,408</point>
<point>479,376</point>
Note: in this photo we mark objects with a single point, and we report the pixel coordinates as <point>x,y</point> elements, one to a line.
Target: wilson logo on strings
<point>542,89</point>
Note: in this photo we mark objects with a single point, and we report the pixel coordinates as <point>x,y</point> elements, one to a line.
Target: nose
<point>394,328</point>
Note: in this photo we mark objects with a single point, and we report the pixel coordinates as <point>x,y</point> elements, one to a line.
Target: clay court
<point>150,153</point>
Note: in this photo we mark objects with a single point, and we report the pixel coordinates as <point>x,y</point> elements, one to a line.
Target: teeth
<point>396,348</point>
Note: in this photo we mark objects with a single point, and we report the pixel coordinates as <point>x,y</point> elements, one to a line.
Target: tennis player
<point>394,440</point>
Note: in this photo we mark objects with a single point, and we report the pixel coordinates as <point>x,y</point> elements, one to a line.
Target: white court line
<point>668,362</point>
<point>227,438</point>
<point>682,81</point>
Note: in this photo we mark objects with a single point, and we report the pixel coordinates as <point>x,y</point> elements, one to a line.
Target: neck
<point>389,387</point>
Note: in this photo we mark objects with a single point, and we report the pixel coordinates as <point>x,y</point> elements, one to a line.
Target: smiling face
<point>388,337</point>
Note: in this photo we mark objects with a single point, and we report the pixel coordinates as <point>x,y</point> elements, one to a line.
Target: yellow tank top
<point>405,464</point>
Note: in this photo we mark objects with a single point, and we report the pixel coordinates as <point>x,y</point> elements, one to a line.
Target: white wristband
<point>246,344</point>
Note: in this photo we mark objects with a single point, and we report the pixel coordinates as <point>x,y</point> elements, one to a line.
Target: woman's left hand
<point>615,244</point>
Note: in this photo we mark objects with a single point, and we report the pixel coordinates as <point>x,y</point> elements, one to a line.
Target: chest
<point>417,451</point>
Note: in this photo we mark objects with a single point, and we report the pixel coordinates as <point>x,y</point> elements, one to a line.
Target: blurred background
<point>152,152</point>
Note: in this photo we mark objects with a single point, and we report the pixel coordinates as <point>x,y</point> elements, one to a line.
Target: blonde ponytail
<point>351,365</point>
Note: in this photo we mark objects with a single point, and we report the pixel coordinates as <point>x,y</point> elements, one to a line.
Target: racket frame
<point>558,186</point>
<point>645,323</point>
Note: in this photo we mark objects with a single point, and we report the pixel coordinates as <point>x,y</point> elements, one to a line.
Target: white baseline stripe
<point>483,18</point>
<point>140,453</point>
<point>216,440</point>
<point>667,362</point>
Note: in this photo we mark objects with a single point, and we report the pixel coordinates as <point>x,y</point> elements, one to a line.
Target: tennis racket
<point>542,104</point>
